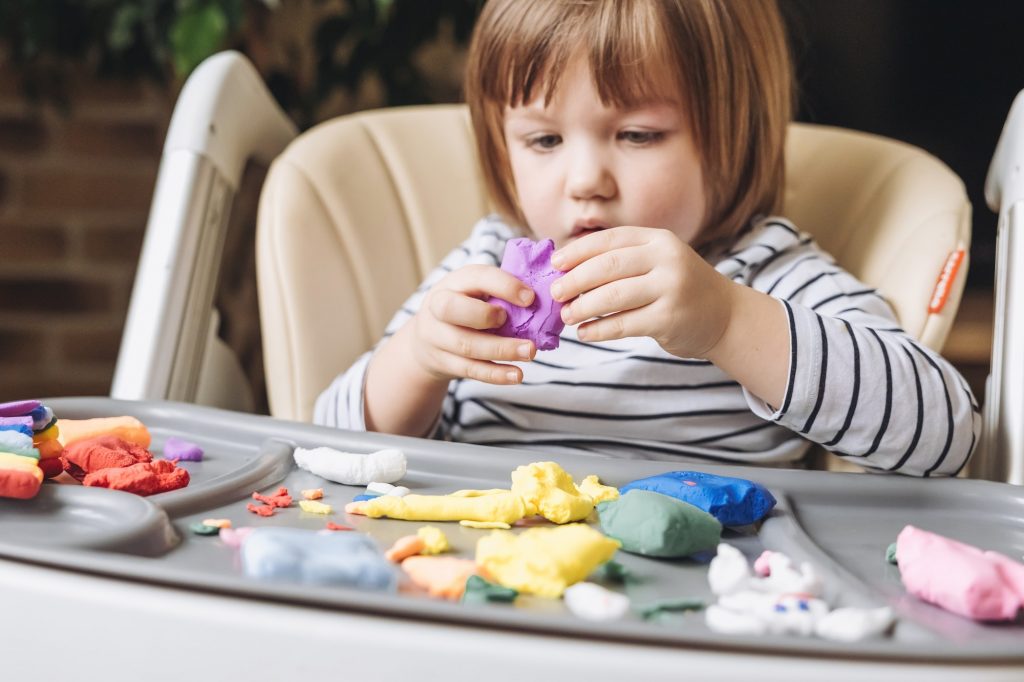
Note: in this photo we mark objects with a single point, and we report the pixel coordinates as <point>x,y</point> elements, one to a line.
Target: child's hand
<point>642,281</point>
<point>449,341</point>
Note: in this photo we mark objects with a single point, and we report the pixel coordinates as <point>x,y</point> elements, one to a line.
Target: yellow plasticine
<point>218,523</point>
<point>592,488</point>
<point>126,428</point>
<point>540,488</point>
<point>313,494</point>
<point>50,433</point>
<point>543,561</point>
<point>485,524</point>
<point>477,493</point>
<point>313,507</point>
<point>494,506</point>
<point>434,540</point>
<point>18,463</point>
<point>549,491</point>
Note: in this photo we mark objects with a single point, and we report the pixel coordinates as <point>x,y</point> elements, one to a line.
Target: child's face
<point>579,166</point>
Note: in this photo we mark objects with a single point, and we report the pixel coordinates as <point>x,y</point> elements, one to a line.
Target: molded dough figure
<point>786,600</point>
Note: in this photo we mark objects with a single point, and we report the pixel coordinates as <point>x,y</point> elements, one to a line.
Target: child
<point>645,137</point>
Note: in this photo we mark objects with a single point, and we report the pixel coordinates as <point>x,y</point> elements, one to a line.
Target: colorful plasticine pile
<point>106,452</point>
<point>29,449</point>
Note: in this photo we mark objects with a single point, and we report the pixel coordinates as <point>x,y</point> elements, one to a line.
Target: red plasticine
<point>331,525</point>
<point>20,485</point>
<point>102,452</point>
<point>279,499</point>
<point>261,509</point>
<point>144,478</point>
<point>51,467</point>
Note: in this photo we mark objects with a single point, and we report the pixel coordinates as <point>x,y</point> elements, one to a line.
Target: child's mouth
<point>582,231</point>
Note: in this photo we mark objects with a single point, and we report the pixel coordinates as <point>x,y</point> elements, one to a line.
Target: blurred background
<point>87,88</point>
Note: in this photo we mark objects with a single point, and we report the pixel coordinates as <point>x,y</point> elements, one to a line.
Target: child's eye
<point>641,137</point>
<point>544,142</point>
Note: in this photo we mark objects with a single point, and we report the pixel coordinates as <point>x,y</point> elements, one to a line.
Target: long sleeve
<point>858,384</point>
<point>342,403</point>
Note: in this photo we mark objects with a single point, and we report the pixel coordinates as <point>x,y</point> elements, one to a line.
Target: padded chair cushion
<point>357,210</point>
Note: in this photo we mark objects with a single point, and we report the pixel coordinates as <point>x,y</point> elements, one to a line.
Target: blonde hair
<point>728,59</point>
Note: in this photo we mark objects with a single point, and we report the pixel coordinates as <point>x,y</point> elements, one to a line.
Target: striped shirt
<point>858,384</point>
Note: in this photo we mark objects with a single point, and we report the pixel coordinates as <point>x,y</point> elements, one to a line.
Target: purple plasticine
<point>182,450</point>
<point>541,321</point>
<point>19,408</point>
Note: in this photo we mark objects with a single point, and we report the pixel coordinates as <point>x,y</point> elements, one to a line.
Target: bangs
<point>630,56</point>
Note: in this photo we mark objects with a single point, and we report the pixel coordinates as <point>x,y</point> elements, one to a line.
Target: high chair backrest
<point>358,209</point>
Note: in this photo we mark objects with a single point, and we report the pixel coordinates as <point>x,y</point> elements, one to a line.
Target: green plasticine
<point>653,524</point>
<point>670,605</point>
<point>890,553</point>
<point>616,572</point>
<point>203,529</point>
<point>479,591</point>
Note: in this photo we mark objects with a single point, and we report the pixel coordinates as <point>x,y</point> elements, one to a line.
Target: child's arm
<point>830,358</point>
<point>399,387</point>
<point>858,384</point>
<point>408,377</point>
<point>654,285</point>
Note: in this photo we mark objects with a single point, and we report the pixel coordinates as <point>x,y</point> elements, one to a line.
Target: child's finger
<point>481,370</point>
<point>620,295</point>
<point>600,270</point>
<point>459,309</point>
<point>476,345</point>
<point>588,246</point>
<point>481,281</point>
<point>617,326</point>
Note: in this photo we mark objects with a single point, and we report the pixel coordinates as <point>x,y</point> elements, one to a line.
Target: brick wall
<point>75,188</point>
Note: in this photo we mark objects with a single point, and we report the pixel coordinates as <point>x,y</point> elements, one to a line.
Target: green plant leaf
<point>122,27</point>
<point>196,34</point>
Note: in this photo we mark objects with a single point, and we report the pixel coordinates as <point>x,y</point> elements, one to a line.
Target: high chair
<point>355,212</point>
<point>352,214</point>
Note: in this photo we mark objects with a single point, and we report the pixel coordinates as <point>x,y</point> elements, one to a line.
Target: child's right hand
<point>449,341</point>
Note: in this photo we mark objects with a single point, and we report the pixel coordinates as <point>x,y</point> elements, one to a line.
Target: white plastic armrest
<point>223,118</point>
<point>1002,446</point>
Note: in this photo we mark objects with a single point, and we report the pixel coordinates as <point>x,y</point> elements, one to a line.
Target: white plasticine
<point>729,571</point>
<point>726,622</point>
<point>853,625</point>
<point>380,488</point>
<point>590,601</point>
<point>351,468</point>
<point>784,601</point>
<point>784,577</point>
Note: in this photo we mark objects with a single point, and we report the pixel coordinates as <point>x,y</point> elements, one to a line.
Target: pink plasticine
<point>958,577</point>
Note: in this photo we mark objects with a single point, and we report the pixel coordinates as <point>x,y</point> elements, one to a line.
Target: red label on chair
<point>946,277</point>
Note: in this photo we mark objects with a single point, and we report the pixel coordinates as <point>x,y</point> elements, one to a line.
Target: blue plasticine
<point>306,556</point>
<point>364,498</point>
<point>19,428</point>
<point>733,501</point>
<point>42,418</point>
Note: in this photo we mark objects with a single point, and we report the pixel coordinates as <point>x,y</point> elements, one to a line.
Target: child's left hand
<point>643,281</point>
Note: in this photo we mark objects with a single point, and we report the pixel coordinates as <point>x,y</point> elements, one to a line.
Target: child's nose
<point>589,176</point>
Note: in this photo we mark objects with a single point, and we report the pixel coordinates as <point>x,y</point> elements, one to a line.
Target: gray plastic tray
<point>840,522</point>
